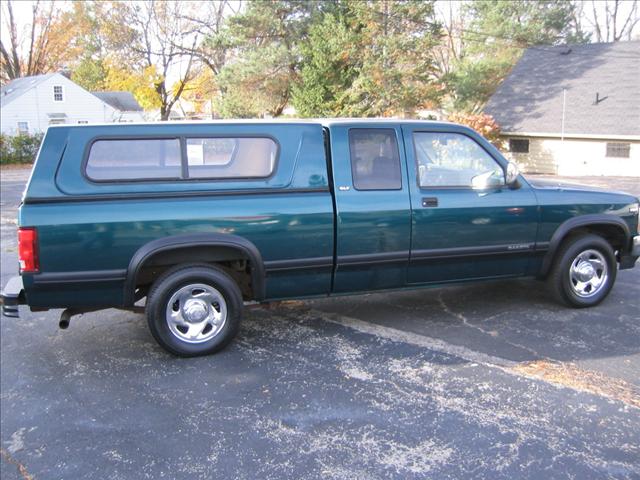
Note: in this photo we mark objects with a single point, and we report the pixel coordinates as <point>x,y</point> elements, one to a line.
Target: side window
<point>375,160</point>
<point>134,159</point>
<point>454,160</point>
<point>240,157</point>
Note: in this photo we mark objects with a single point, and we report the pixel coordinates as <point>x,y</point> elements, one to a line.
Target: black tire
<point>186,278</point>
<point>560,281</point>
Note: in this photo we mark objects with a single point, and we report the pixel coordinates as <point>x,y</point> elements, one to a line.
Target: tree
<point>522,23</point>
<point>37,58</point>
<point>481,123</point>
<point>201,92</point>
<point>328,68</point>
<point>155,39</point>
<point>618,21</point>
<point>97,57</point>
<point>141,83</point>
<point>396,62</point>
<point>370,59</point>
<point>90,74</point>
<point>452,42</point>
<point>217,44</point>
<point>266,39</point>
<point>496,36</point>
<point>87,53</point>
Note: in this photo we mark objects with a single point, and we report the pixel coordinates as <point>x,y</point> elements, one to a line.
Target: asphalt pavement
<point>490,380</point>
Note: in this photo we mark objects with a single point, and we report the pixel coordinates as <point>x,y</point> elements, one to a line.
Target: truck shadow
<point>515,320</point>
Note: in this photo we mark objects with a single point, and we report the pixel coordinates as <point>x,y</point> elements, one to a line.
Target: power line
<point>549,48</point>
<point>513,41</point>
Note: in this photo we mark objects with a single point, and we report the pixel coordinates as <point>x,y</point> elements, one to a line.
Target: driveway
<point>489,380</point>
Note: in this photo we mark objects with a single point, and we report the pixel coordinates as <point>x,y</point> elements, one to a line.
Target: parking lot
<point>490,380</point>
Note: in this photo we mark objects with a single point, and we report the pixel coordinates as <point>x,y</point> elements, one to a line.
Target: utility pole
<point>564,106</point>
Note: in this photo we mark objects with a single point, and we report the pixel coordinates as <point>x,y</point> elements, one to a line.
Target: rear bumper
<point>12,296</point>
<point>628,260</point>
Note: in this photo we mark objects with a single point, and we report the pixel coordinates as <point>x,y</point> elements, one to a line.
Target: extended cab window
<point>134,159</point>
<point>453,160</point>
<point>241,157</point>
<point>375,160</point>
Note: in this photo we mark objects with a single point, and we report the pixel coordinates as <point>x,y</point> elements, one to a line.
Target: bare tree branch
<point>631,21</point>
<point>14,42</point>
<point>32,54</point>
<point>607,28</point>
<point>596,23</point>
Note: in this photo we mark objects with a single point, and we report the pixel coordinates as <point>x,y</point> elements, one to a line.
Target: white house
<point>573,110</point>
<point>129,110</point>
<point>31,104</point>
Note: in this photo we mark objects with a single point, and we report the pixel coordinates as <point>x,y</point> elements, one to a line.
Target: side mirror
<point>511,177</point>
<point>492,179</point>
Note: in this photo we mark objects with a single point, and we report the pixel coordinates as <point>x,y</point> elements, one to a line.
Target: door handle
<point>429,202</point>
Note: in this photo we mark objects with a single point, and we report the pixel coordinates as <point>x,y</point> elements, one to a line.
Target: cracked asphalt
<point>490,380</point>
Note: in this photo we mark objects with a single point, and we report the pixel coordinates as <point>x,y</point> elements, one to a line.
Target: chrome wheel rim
<point>588,273</point>
<point>196,313</point>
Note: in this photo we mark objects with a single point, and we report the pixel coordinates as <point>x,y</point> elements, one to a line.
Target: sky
<point>22,14</point>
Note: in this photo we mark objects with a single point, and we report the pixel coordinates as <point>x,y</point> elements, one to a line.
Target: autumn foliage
<point>256,58</point>
<point>482,123</point>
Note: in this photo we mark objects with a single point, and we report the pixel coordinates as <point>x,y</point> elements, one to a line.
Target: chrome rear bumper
<point>12,295</point>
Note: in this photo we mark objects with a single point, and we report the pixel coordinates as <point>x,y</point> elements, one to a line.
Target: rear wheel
<point>194,310</point>
<point>584,271</point>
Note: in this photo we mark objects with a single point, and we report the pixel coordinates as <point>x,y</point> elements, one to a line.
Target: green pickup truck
<point>187,221</point>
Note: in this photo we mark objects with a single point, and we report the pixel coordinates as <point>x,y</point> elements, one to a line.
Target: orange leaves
<point>482,123</point>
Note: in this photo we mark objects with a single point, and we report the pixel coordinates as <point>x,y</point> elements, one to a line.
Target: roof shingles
<point>123,101</point>
<point>19,86</point>
<point>530,100</point>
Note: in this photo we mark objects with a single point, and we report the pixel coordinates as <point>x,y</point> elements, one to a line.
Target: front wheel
<point>194,310</point>
<point>584,271</point>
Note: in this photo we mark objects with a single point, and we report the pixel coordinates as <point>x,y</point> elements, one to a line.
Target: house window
<point>618,150</point>
<point>23,127</point>
<point>518,145</point>
<point>58,95</point>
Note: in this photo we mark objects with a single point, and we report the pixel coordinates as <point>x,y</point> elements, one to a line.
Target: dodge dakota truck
<point>188,221</point>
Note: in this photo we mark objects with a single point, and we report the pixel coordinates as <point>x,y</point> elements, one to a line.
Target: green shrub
<point>21,148</point>
<point>5,151</point>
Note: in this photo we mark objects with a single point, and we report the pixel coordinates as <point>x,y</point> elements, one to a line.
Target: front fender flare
<point>576,222</point>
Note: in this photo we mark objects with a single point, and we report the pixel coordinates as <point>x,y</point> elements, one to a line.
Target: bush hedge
<point>19,149</point>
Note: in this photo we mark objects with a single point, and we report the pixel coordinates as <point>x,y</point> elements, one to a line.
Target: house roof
<point>599,84</point>
<point>19,86</point>
<point>123,101</point>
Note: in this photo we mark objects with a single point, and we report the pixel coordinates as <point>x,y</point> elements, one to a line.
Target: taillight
<point>28,250</point>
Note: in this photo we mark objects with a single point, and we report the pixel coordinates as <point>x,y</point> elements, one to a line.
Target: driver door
<point>467,223</point>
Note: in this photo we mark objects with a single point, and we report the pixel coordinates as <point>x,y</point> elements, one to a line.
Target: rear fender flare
<point>178,242</point>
